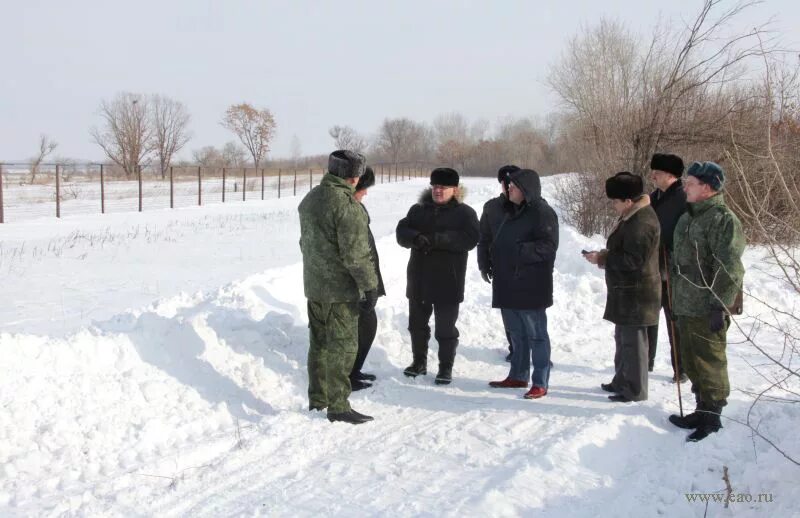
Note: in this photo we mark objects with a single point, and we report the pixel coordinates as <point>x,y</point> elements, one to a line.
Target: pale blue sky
<point>314,64</point>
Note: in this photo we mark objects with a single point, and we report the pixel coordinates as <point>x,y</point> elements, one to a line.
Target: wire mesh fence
<point>64,189</point>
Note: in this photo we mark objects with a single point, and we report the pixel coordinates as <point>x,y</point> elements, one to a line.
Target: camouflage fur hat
<point>346,164</point>
<point>708,173</point>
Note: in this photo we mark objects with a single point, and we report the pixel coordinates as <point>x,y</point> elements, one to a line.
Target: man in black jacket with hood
<point>669,202</point>
<point>523,256</point>
<point>440,230</point>
<point>494,212</point>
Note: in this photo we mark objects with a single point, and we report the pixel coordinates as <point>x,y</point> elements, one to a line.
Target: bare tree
<point>346,137</point>
<point>255,128</point>
<point>451,127</point>
<point>207,156</point>
<point>403,139</point>
<point>46,146</point>
<point>297,150</point>
<point>233,155</point>
<point>170,120</point>
<point>626,100</point>
<point>126,134</point>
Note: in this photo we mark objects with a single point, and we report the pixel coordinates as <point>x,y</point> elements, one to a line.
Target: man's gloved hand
<point>369,301</point>
<point>423,243</point>
<point>716,320</point>
<point>487,275</point>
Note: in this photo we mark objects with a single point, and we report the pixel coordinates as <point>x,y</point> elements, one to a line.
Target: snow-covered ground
<point>154,364</point>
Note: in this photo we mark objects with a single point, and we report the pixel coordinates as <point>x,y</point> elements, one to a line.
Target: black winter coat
<point>374,249</point>
<point>493,214</point>
<point>437,276</point>
<point>630,260</point>
<point>524,250</point>
<point>669,206</point>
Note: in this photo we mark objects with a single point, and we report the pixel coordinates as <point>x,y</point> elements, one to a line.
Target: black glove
<point>423,243</point>
<point>716,320</point>
<point>487,276</point>
<point>369,301</point>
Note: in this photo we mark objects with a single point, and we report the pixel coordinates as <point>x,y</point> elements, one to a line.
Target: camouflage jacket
<point>334,239</point>
<point>707,269</point>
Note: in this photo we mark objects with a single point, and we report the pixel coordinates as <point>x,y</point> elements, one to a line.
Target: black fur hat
<point>503,172</point>
<point>624,186</point>
<point>346,164</point>
<point>366,180</point>
<point>672,164</point>
<point>444,176</point>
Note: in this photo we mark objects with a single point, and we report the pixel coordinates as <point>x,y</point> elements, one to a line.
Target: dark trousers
<point>672,333</point>
<point>630,362</point>
<point>367,329</point>
<point>445,316</point>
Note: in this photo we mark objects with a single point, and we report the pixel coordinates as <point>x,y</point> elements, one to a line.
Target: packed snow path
<point>154,364</point>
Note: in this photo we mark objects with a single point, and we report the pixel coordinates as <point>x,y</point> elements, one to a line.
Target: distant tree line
<point>696,90</point>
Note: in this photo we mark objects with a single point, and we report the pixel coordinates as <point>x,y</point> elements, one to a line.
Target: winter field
<point>153,364</point>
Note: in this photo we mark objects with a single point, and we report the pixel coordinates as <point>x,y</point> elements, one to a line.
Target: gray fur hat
<point>346,164</point>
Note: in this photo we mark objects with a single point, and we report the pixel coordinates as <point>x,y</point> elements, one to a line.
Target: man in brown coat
<point>633,281</point>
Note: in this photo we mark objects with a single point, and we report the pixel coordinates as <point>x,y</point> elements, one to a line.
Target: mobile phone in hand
<point>584,252</point>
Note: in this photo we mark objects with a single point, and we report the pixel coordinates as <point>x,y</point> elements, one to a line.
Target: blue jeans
<point>531,344</point>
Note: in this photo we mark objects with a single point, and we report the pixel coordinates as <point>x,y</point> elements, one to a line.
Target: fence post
<point>2,220</point>
<point>171,190</point>
<point>279,186</point>
<point>102,191</point>
<point>199,187</point>
<point>139,168</point>
<point>294,192</point>
<point>58,193</point>
<point>395,171</point>
<point>310,179</point>
<point>223,185</point>
<point>262,184</point>
<point>244,184</point>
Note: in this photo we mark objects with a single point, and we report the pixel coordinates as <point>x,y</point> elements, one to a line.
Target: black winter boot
<point>689,421</point>
<point>710,423</point>
<point>445,375</point>
<point>351,417</point>
<point>417,368</point>
<point>419,348</point>
<point>356,384</point>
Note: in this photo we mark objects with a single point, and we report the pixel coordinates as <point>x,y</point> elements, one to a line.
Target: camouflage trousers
<point>333,343</point>
<point>704,359</point>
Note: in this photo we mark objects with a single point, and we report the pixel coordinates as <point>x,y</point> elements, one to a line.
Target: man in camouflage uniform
<point>338,273</point>
<point>707,276</point>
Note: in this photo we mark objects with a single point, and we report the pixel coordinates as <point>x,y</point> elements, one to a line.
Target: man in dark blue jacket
<point>523,256</point>
<point>494,212</point>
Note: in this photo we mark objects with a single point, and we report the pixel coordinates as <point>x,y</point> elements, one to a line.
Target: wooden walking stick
<point>672,330</point>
